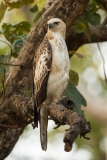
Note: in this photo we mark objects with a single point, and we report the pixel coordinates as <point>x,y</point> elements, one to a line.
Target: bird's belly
<point>57,84</point>
<point>59,76</point>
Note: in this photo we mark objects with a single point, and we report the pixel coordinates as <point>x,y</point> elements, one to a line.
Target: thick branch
<point>62,115</point>
<point>97,34</point>
<point>19,113</point>
<point>8,140</point>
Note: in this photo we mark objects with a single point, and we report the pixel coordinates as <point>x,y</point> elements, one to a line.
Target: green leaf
<point>74,78</point>
<point>18,3</point>
<point>8,32</point>
<point>72,93</point>
<point>3,8</point>
<point>5,28</point>
<point>79,26</point>
<point>22,27</point>
<point>23,37</point>
<point>12,32</point>
<point>17,45</point>
<point>93,19</point>
<point>34,8</point>
<point>92,6</point>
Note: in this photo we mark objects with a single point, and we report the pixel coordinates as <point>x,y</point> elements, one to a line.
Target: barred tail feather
<point>43,127</point>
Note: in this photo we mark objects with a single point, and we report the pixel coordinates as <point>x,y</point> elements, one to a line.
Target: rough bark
<point>64,114</point>
<point>8,140</point>
<point>15,112</point>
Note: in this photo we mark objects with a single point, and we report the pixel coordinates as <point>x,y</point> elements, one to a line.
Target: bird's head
<point>56,24</point>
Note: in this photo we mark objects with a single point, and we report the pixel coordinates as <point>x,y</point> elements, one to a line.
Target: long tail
<point>43,127</point>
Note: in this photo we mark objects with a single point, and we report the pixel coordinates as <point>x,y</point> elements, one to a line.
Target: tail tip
<point>44,148</point>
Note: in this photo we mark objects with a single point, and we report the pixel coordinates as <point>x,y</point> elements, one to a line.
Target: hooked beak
<point>50,26</point>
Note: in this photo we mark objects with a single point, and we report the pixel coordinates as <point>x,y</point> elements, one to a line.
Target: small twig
<point>9,64</point>
<point>16,65</point>
<point>57,126</point>
<point>80,55</point>
<point>9,126</point>
<point>6,43</point>
<point>9,46</point>
<point>103,63</point>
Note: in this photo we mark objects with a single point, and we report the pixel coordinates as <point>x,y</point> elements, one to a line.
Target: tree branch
<point>8,140</point>
<point>97,33</point>
<point>62,113</point>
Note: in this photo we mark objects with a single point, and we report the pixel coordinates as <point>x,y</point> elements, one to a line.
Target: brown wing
<point>41,69</point>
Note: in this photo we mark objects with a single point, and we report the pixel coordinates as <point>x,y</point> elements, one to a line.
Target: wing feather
<point>41,69</point>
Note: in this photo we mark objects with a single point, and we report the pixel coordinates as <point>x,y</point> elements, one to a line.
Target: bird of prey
<point>51,73</point>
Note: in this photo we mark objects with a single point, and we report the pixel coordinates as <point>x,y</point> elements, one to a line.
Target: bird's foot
<point>33,125</point>
<point>57,126</point>
<point>55,100</point>
<point>47,110</point>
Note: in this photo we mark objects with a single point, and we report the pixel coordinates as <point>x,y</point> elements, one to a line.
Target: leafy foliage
<point>79,26</point>
<point>73,94</point>
<point>90,16</point>
<point>17,45</point>
<point>18,3</point>
<point>38,10</point>
<point>3,8</point>
<point>13,31</point>
<point>74,78</point>
<point>34,8</point>
<point>16,35</point>
<point>93,19</point>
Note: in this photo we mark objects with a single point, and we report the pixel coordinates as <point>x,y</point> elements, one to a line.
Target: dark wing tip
<point>36,116</point>
<point>35,108</point>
